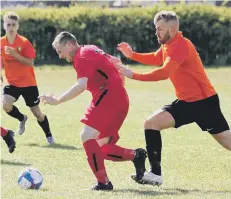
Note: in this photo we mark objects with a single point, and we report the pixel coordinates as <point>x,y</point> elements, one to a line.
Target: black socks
<point>16,114</point>
<point>45,126</point>
<point>154,146</point>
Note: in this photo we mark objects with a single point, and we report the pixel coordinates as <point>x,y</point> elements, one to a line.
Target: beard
<point>68,60</point>
<point>164,39</point>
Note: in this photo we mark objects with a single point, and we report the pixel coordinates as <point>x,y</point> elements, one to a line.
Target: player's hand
<point>124,70</point>
<point>126,49</point>
<point>49,99</point>
<point>10,51</point>
<point>115,60</point>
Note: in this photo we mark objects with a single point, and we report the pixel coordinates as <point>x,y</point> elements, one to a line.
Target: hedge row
<point>208,27</point>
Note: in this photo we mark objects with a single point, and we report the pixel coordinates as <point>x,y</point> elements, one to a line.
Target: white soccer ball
<point>30,178</point>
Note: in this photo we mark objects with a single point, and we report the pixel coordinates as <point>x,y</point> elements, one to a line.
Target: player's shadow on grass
<point>145,192</point>
<point>166,191</point>
<point>62,146</point>
<point>56,146</point>
<point>11,163</point>
<point>191,191</point>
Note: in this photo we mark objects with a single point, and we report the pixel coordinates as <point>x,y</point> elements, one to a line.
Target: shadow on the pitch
<point>167,191</point>
<point>190,191</point>
<point>11,163</point>
<point>62,146</point>
<point>145,192</point>
<point>56,146</point>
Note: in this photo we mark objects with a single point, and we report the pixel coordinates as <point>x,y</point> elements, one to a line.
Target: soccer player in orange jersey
<point>18,55</point>
<point>197,100</point>
<point>106,113</point>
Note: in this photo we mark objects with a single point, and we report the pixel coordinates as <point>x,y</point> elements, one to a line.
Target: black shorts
<point>206,113</point>
<point>30,94</point>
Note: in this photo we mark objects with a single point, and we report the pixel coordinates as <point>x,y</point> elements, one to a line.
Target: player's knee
<point>88,133</point>
<point>84,136</point>
<point>151,124</point>
<point>38,114</point>
<point>224,139</point>
<point>39,117</point>
<point>226,146</point>
<point>7,106</point>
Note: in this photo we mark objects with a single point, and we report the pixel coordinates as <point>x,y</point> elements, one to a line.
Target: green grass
<point>194,165</point>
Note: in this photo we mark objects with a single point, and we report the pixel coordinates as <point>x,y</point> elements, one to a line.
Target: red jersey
<point>93,63</point>
<point>110,101</point>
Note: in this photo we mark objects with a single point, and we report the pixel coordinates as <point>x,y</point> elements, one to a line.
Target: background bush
<point>208,27</point>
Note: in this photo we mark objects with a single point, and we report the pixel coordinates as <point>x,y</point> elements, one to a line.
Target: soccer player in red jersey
<point>17,56</point>
<point>107,111</point>
<point>197,100</point>
<point>7,135</point>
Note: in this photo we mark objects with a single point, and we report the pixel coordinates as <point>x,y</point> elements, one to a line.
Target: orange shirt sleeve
<point>177,53</point>
<point>28,51</point>
<point>154,58</point>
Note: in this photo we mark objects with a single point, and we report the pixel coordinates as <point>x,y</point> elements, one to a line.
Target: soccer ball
<point>30,178</point>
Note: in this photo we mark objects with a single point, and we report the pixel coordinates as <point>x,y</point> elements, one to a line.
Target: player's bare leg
<point>224,139</point>
<point>43,123</point>
<point>158,121</point>
<point>13,111</point>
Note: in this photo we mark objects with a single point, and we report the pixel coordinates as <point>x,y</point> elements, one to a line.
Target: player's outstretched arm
<point>153,58</point>
<point>73,92</point>
<point>162,73</point>
<point>124,70</point>
<point>176,56</point>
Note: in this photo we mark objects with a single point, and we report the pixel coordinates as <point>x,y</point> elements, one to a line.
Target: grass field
<point>194,165</point>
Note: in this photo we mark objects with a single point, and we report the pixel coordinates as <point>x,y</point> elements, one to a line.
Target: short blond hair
<point>63,38</point>
<point>167,16</point>
<point>11,15</point>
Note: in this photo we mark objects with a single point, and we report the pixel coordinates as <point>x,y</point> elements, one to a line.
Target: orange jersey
<point>17,73</point>
<point>182,64</point>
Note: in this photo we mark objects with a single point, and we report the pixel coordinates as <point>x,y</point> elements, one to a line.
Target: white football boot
<point>152,179</point>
